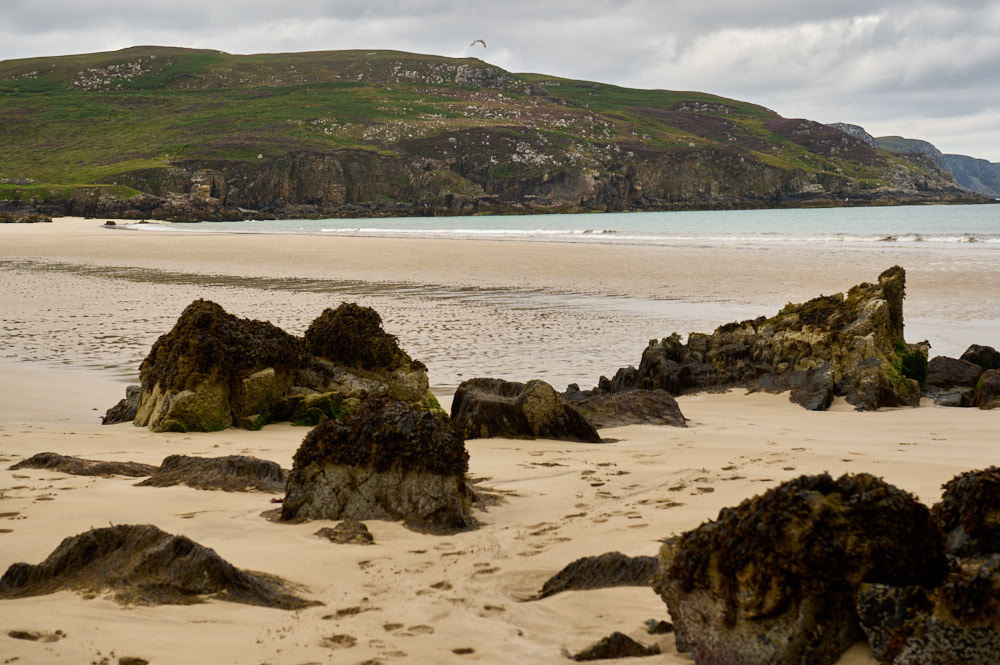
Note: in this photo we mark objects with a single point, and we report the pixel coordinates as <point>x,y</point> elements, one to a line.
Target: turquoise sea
<point>961,227</point>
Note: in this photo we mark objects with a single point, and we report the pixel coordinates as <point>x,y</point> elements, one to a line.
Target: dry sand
<point>412,597</point>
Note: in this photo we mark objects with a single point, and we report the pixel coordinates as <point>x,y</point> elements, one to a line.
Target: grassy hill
<point>205,134</point>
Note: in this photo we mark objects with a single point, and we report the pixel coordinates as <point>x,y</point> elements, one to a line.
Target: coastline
<point>562,500</point>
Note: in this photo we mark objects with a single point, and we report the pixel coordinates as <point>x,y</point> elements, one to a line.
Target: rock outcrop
<point>124,411</point>
<point>233,473</point>
<point>612,569</point>
<point>987,393</point>
<point>78,466</point>
<point>385,461</point>
<point>214,370</point>
<point>484,408</point>
<point>774,580</point>
<point>850,345</point>
<point>969,512</point>
<point>614,646</point>
<point>954,624</point>
<point>142,565</point>
<point>985,356</point>
<point>950,381</point>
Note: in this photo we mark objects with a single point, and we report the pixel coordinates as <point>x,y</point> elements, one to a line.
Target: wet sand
<point>82,304</point>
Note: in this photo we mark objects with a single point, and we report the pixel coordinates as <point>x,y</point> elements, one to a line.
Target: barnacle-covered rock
<point>969,512</point>
<point>773,581</point>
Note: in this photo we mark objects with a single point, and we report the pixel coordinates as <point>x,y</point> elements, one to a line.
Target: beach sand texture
<point>83,304</point>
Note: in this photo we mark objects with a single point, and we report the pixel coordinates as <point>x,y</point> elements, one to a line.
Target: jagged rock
<point>214,370</point>
<point>773,581</point>
<point>125,410</point>
<point>969,512</point>
<point>348,532</point>
<point>484,408</point>
<point>945,372</point>
<point>634,407</point>
<point>985,356</point>
<point>954,624</point>
<point>78,466</point>
<point>142,565</point>
<point>612,569</point>
<point>987,393</point>
<point>24,218</point>
<point>831,345</point>
<point>385,461</point>
<point>616,645</point>
<point>351,337</point>
<point>233,473</point>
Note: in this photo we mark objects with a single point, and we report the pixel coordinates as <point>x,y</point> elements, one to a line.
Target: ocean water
<point>960,227</point>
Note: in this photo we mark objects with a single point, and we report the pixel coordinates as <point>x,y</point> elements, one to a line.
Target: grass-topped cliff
<point>168,132</point>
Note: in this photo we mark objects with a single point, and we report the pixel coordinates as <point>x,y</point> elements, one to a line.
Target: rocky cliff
<point>202,135</point>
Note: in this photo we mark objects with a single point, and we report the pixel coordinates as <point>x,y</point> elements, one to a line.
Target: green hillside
<point>411,132</point>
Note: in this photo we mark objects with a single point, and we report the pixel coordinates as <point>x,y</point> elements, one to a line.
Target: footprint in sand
<point>339,641</point>
<point>36,636</point>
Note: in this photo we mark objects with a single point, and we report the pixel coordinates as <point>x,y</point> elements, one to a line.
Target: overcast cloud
<point>922,69</point>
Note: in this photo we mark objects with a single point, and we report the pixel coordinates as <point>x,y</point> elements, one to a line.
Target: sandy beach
<point>82,304</point>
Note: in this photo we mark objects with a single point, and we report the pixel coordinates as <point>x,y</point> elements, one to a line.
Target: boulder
<point>850,345</point>
<point>348,532</point>
<point>124,411</point>
<point>78,466</point>
<point>954,624</point>
<point>985,356</point>
<point>774,580</point>
<point>969,512</point>
<point>233,473</point>
<point>386,461</point>
<point>987,393</point>
<point>950,381</point>
<point>142,565</point>
<point>634,407</point>
<point>612,569</point>
<point>214,370</point>
<point>484,408</point>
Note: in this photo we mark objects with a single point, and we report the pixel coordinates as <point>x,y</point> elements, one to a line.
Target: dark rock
<point>987,393</point>
<point>24,218</point>
<point>484,408</point>
<point>385,461</point>
<point>348,532</point>
<point>850,345</point>
<point>985,356</point>
<point>634,407</point>
<point>213,368</point>
<point>945,372</point>
<point>773,581</point>
<point>125,410</point>
<point>954,624</point>
<point>600,572</point>
<point>659,627</point>
<point>78,466</point>
<point>969,512</point>
<point>142,565</point>
<point>616,645</point>
<point>233,473</point>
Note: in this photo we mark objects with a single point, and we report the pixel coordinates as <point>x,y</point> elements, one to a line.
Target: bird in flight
<point>478,41</point>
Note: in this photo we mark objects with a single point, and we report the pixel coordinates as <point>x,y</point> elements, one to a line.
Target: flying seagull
<point>478,41</point>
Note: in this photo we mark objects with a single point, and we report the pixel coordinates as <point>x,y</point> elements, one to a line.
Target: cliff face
<point>201,135</point>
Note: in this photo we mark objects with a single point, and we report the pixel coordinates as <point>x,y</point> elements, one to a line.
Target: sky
<point>926,69</point>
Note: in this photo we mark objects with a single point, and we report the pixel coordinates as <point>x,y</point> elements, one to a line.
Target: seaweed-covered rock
<point>955,624</point>
<point>634,407</point>
<point>233,473</point>
<point>78,466</point>
<point>614,646</point>
<point>987,393</point>
<point>985,356</point>
<point>969,512</point>
<point>142,565</point>
<point>212,369</point>
<point>386,461</point>
<point>484,408</point>
<point>124,411</point>
<point>612,569</point>
<point>773,581</point>
<point>850,345</point>
<point>348,532</point>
